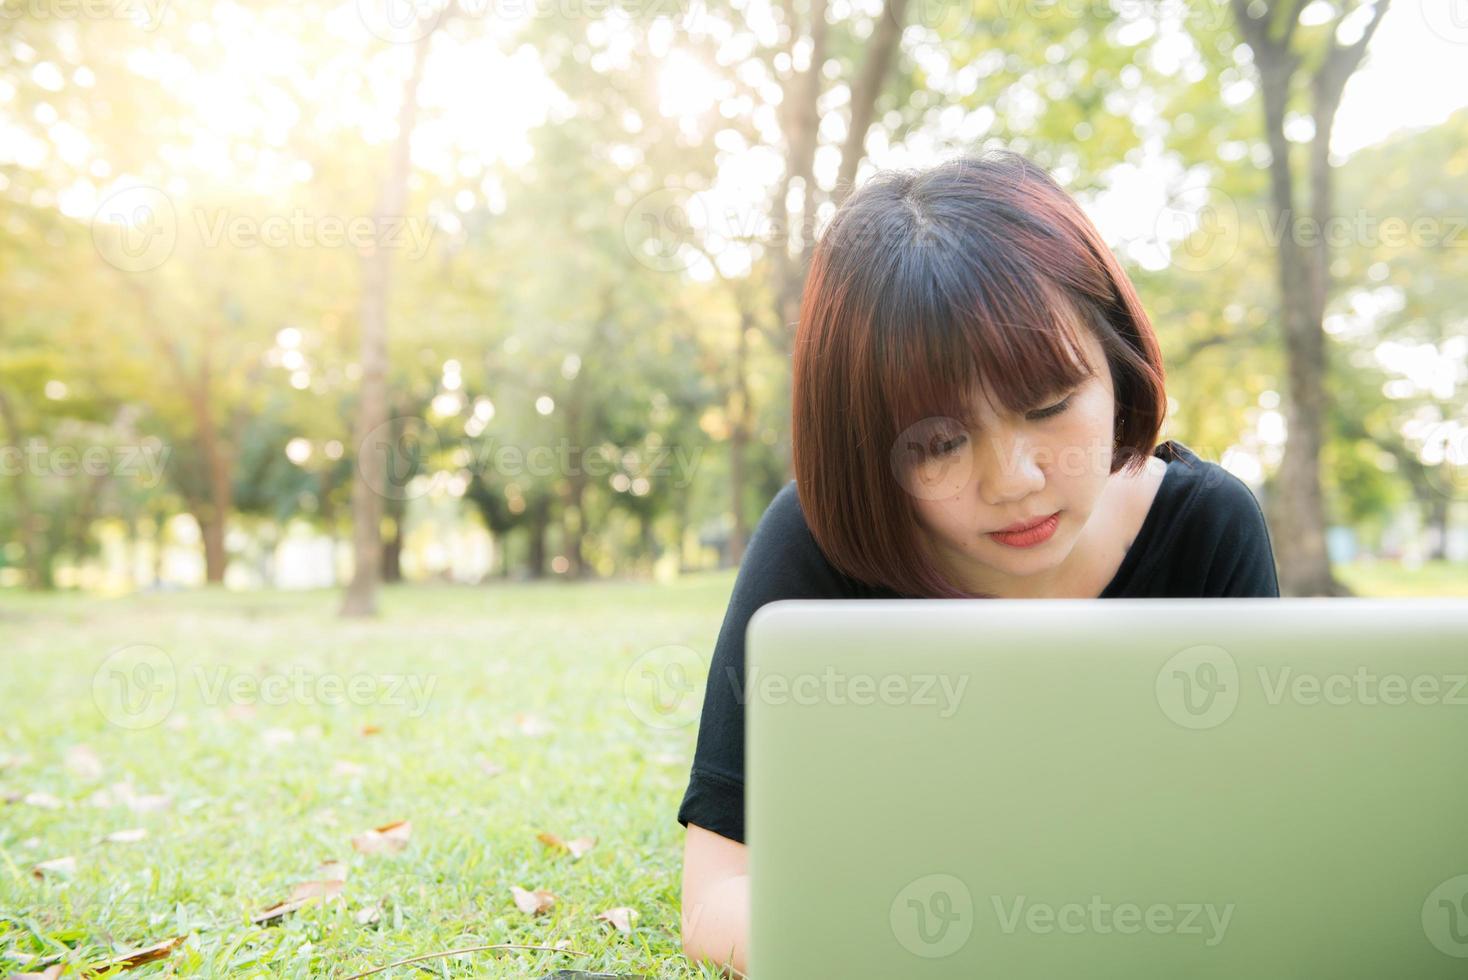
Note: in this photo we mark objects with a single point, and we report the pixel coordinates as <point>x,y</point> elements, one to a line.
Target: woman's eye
<point>1052,411</point>
<point>946,447</point>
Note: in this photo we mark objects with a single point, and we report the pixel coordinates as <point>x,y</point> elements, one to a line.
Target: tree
<point>1303,259</point>
<point>370,479</point>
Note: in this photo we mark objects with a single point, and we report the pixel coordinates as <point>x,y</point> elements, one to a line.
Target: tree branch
<point>1341,61</point>
<point>864,93</point>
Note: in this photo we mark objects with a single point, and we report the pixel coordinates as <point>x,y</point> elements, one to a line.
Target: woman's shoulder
<point>1204,492</point>
<point>782,529</point>
<point>782,555</point>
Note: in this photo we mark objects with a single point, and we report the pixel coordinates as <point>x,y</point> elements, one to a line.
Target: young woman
<point>977,396</point>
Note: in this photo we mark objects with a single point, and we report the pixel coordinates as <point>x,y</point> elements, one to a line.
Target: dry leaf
<point>576,847</point>
<point>139,957</point>
<point>302,895</point>
<point>149,803</point>
<point>125,794</point>
<point>83,762</point>
<point>54,867</point>
<point>111,795</point>
<point>131,836</point>
<point>317,889</point>
<point>43,800</point>
<point>369,915</point>
<point>533,903</point>
<point>387,839</point>
<point>371,729</point>
<point>620,917</point>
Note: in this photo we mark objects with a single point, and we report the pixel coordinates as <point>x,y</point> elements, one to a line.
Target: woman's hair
<point>925,287</point>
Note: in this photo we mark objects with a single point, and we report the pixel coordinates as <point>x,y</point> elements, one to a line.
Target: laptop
<point>1131,788</point>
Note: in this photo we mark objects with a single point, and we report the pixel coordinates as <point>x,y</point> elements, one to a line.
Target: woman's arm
<point>715,899</point>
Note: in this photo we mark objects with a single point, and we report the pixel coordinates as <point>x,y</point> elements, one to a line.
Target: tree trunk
<point>1437,527</point>
<point>572,530</point>
<point>801,125</point>
<point>79,529</point>
<point>573,522</point>
<point>573,517</point>
<point>502,545</point>
<point>160,529</point>
<point>213,513</point>
<point>647,543</point>
<point>880,52</point>
<point>326,514</point>
<point>392,548</point>
<point>133,550</point>
<point>37,567</point>
<point>211,530</point>
<point>369,481</point>
<point>538,525</point>
<point>1303,274</point>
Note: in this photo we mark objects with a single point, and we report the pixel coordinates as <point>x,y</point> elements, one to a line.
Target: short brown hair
<point>924,285</point>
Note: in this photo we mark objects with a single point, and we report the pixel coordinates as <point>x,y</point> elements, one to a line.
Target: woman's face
<point>1055,459</point>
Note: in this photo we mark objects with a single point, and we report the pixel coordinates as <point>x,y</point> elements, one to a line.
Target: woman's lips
<point>1031,536</point>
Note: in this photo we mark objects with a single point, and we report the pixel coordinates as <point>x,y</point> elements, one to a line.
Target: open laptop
<point>1134,788</point>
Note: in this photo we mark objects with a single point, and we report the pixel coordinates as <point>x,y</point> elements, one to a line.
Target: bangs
<point>931,295</point>
<point>1014,345</point>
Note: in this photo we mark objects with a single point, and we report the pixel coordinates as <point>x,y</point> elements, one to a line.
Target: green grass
<point>258,800</point>
<point>1389,579</point>
<point>251,814</point>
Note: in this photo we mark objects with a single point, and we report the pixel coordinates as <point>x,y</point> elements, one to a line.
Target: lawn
<point>1390,579</point>
<point>252,736</point>
<point>518,725</point>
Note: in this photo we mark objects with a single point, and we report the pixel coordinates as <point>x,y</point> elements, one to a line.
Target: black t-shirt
<point>1203,536</point>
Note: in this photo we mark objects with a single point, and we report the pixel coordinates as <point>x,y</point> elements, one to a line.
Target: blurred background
<point>388,391</point>
<point>327,295</point>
